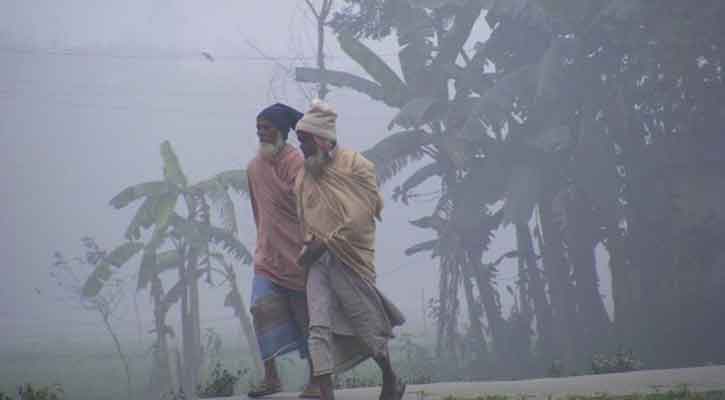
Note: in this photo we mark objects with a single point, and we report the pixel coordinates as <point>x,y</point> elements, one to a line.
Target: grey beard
<point>315,164</point>
<point>270,150</point>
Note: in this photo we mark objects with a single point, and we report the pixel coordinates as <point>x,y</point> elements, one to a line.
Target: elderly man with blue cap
<point>279,306</point>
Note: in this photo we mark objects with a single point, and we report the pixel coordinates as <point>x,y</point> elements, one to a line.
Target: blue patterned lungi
<point>280,318</point>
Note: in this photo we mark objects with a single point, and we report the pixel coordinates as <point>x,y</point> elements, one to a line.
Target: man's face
<point>271,140</point>
<point>266,132</point>
<point>307,144</point>
<point>315,158</point>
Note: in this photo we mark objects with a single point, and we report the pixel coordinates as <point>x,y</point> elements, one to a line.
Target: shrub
<point>44,393</point>
<point>221,383</point>
<point>619,362</point>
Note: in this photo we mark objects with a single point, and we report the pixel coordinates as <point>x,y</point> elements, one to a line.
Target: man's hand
<point>311,252</point>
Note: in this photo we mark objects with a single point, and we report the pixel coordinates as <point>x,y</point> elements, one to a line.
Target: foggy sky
<point>89,89</point>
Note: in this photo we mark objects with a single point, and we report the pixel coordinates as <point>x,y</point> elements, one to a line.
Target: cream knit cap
<point>319,121</point>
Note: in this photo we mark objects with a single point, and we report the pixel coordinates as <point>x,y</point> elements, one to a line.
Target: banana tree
<point>475,131</point>
<point>428,116</point>
<point>180,242</point>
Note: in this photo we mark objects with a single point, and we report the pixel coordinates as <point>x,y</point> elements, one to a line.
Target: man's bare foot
<point>393,389</point>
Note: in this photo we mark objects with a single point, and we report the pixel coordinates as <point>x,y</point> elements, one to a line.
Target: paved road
<point>697,379</point>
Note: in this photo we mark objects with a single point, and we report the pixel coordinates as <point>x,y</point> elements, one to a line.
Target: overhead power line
<point>151,108</point>
<point>200,56</point>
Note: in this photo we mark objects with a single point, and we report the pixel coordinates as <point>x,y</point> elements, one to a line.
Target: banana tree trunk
<point>542,308</point>
<point>492,308</point>
<point>247,328</point>
<point>195,316</point>
<point>448,310</point>
<point>190,339</point>
<point>593,322</point>
<point>190,318</point>
<point>556,268</point>
<point>476,336</point>
<point>161,380</point>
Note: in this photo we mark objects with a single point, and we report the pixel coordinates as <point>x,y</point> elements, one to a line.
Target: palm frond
<point>496,104</point>
<point>217,191</point>
<point>230,244</point>
<point>428,245</point>
<point>135,192</point>
<point>416,112</point>
<point>396,151</point>
<point>417,178</point>
<point>394,89</point>
<point>529,11</point>
<point>96,280</point>
<point>343,79</point>
<point>199,235</point>
<point>121,254</point>
<point>435,4</point>
<point>235,179</point>
<point>176,291</point>
<point>172,168</point>
<point>143,218</point>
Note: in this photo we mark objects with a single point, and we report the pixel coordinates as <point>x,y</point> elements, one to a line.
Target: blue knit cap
<point>282,116</point>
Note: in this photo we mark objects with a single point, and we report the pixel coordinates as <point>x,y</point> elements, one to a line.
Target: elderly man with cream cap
<point>338,204</point>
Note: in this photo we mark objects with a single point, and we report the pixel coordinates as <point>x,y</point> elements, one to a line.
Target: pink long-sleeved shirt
<point>279,240</point>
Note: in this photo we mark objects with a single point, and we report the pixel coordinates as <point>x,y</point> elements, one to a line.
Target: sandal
<point>310,391</point>
<point>264,389</point>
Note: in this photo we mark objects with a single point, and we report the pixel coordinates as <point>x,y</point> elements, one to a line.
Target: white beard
<point>269,151</point>
<point>315,164</point>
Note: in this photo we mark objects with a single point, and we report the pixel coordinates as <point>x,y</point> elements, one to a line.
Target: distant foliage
<point>415,362</point>
<point>619,362</point>
<point>28,392</point>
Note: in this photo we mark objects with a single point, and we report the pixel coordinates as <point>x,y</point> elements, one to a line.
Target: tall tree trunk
<point>190,318</point>
<point>189,349</point>
<point>195,317</point>
<point>593,324</point>
<point>632,276</point>
<point>478,348</point>
<point>321,17</point>
<point>494,317</point>
<point>246,324</point>
<point>556,267</point>
<point>537,289</point>
<point>323,90</point>
<point>448,309</point>
<point>161,381</point>
<point>625,289</point>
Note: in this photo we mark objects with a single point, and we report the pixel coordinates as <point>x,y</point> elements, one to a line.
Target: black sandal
<point>310,392</point>
<point>264,389</point>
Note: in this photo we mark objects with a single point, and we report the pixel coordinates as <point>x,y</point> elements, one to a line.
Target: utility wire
<point>201,56</point>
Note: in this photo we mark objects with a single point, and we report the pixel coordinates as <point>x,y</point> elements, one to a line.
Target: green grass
<point>679,394</point>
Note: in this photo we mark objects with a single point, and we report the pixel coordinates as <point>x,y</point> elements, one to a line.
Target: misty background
<point>88,90</point>
<point>563,131</point>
